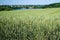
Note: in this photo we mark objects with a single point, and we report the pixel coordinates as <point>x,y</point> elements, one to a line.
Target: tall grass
<point>41,24</point>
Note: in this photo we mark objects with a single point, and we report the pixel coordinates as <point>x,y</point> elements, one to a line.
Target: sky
<point>27,2</point>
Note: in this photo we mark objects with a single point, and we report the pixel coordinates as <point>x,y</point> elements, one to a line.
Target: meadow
<point>35,24</point>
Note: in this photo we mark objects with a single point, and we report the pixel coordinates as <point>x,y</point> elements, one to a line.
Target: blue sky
<point>27,2</point>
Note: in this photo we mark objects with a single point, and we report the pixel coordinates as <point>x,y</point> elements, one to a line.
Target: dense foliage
<point>12,7</point>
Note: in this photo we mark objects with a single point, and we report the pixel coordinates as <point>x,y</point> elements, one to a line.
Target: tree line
<point>12,7</point>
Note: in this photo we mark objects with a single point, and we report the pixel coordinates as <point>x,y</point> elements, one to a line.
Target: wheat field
<point>35,24</point>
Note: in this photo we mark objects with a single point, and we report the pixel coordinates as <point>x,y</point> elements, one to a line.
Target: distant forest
<point>12,7</point>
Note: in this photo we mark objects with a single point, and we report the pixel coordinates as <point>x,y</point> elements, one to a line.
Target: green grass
<point>39,24</point>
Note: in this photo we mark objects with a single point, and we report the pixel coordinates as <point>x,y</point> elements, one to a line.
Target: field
<point>38,24</point>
